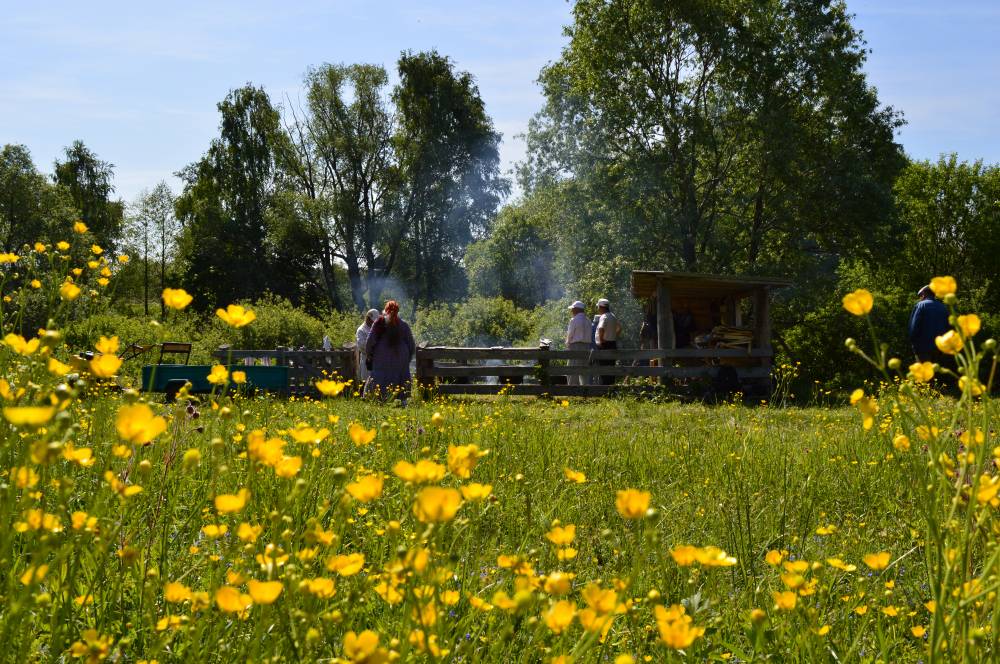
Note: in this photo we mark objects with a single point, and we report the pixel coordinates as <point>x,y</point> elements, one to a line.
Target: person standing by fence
<point>578,337</point>
<point>608,330</point>
<point>361,340</point>
<point>389,348</point>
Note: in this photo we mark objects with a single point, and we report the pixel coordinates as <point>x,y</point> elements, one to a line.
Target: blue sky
<point>138,82</point>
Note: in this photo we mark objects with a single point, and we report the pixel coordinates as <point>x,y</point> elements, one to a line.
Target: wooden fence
<point>305,366</point>
<point>454,370</point>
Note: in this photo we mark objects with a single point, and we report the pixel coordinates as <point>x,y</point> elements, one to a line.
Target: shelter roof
<point>700,285</point>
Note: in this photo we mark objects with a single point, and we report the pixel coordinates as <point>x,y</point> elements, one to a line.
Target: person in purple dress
<point>388,351</point>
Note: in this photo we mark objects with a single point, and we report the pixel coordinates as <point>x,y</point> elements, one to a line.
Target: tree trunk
<point>145,270</point>
<point>357,284</point>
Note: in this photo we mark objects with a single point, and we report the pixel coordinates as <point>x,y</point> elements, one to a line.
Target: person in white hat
<point>361,340</point>
<point>608,331</point>
<point>578,338</point>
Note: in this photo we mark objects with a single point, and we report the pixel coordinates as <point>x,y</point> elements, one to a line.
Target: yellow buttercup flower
<point>176,298</point>
<point>943,286</point>
<point>20,345</point>
<point>784,600</point>
<point>922,371</point>
<point>236,316</point>
<point>560,616</point>
<point>969,325</point>
<point>878,561</point>
<point>137,424</point>
<point>632,503</point>
<point>264,592</point>
<point>424,471</point>
<point>57,368</point>
<point>330,388</point>
<point>107,346</point>
<point>949,343</point>
<point>80,227</point>
<point>69,291</point>
<point>859,302</point>
<point>306,434</point>
<point>105,366</point>
<point>476,492</point>
<point>320,587</point>
<point>228,503</point>
<point>436,504</point>
<point>366,489</point>
<point>362,647</point>
<point>574,476</point>
<point>359,434</point>
<point>346,565</point>
<point>28,416</point>
<point>239,377</point>
<point>463,458</point>
<point>96,249</point>
<point>561,535</point>
<point>218,375</point>
<point>175,592</point>
<point>231,600</point>
<point>8,259</point>
<point>288,467</point>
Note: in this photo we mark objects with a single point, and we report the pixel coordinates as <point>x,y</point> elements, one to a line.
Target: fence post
<point>425,369</point>
<point>543,367</point>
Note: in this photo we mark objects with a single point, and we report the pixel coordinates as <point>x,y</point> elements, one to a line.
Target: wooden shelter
<point>711,315</point>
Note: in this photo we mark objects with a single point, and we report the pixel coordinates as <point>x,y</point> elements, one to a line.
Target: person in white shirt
<point>578,337</point>
<point>361,339</point>
<point>608,331</point>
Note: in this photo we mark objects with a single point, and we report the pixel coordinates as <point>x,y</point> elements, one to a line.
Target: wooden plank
<point>538,390</point>
<point>479,370</point>
<point>465,355</point>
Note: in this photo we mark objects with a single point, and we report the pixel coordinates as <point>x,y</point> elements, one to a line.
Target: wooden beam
<point>664,317</point>
<point>762,319</point>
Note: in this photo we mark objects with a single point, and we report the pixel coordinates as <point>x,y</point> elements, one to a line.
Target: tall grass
<point>288,530</point>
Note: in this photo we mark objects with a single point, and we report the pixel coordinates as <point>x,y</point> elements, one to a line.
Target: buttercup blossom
<point>859,302</point>
<point>632,503</point>
<point>236,316</point>
<point>943,286</point>
<point>176,298</point>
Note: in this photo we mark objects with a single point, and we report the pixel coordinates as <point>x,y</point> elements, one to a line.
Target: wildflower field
<point>234,528</point>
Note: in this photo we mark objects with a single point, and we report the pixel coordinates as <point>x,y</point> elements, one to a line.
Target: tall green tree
<point>717,136</point>
<point>31,208</point>
<point>88,180</point>
<point>450,170</point>
<point>226,201</point>
<point>394,186</point>
<point>151,228</point>
<point>341,161</point>
<point>951,212</point>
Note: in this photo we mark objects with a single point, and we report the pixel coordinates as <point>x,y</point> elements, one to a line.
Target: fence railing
<point>456,370</point>
<point>305,366</point>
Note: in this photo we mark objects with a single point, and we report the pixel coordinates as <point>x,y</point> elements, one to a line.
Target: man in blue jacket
<point>928,320</point>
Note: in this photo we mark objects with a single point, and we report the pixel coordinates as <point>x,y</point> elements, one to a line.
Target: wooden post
<point>762,318</point>
<point>664,317</point>
<point>425,368</point>
<point>543,367</point>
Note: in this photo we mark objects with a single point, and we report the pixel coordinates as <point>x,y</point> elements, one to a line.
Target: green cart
<point>170,378</point>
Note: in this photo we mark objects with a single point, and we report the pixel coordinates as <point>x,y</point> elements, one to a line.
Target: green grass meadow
<point>746,479</point>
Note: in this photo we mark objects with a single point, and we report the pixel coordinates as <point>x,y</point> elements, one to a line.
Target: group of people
<point>600,333</point>
<point>385,346</point>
